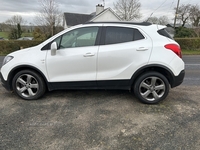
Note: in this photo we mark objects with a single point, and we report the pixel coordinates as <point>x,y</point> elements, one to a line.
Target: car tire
<point>28,85</point>
<point>151,87</point>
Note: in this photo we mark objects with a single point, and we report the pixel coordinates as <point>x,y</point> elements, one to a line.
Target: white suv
<point>139,57</point>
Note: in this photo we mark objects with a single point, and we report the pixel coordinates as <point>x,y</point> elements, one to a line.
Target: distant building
<point>101,14</point>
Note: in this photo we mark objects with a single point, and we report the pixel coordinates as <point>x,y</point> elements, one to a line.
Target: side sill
<point>111,84</point>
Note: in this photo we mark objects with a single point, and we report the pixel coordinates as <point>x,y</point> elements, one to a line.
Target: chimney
<point>99,9</point>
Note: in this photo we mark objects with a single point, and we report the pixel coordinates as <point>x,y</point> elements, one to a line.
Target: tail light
<point>175,48</point>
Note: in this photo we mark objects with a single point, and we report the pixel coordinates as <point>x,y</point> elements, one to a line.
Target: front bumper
<point>177,80</point>
<point>4,83</point>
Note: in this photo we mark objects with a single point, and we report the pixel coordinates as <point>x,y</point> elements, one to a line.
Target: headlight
<point>7,59</point>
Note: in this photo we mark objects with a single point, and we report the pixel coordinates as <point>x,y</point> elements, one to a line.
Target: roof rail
<point>123,22</point>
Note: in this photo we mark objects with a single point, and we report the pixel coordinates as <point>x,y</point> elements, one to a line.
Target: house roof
<point>104,11</point>
<point>74,18</point>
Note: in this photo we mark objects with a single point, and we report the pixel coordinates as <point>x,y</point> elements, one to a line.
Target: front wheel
<point>151,87</point>
<point>28,85</point>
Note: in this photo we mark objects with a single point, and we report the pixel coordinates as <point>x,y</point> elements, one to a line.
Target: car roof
<point>123,22</point>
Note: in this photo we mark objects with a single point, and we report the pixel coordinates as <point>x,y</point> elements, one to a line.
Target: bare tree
<point>195,15</point>
<point>128,10</point>
<point>163,20</point>
<point>183,14</point>
<point>49,17</point>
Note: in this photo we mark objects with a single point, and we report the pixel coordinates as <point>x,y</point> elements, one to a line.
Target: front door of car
<point>76,57</point>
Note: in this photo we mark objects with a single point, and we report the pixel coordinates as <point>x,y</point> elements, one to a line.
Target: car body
<point>1,38</point>
<point>25,38</point>
<point>140,57</point>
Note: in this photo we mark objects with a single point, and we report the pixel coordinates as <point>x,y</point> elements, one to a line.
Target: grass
<point>5,34</point>
<point>191,52</point>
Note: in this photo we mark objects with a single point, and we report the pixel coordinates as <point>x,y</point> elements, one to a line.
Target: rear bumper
<point>4,83</point>
<point>177,80</point>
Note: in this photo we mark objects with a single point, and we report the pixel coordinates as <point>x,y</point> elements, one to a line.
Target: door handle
<point>142,49</point>
<point>88,55</point>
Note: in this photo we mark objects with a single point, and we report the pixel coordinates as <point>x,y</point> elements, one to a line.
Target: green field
<point>5,34</point>
<point>191,52</point>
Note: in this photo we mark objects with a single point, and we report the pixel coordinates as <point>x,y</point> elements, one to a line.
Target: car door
<point>124,50</point>
<point>76,57</point>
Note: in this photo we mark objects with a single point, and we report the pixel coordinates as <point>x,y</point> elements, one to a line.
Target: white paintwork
<point>119,61</point>
<point>72,64</point>
<point>108,62</point>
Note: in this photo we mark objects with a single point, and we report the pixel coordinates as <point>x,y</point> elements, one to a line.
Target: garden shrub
<point>8,46</point>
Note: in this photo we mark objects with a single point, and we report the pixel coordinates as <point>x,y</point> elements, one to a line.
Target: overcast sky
<point>28,8</point>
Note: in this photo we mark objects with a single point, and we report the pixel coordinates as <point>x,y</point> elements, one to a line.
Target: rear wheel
<point>151,87</point>
<point>28,85</point>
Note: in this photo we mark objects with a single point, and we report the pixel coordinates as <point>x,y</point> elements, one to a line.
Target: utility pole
<point>176,14</point>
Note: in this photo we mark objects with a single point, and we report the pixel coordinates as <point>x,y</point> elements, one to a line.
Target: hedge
<point>9,46</point>
<point>189,43</point>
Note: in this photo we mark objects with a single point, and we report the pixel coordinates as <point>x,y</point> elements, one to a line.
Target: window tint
<point>79,38</point>
<point>57,40</point>
<point>118,35</point>
<point>138,35</point>
<point>163,32</point>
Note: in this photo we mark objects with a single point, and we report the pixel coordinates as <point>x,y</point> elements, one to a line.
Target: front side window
<point>79,38</point>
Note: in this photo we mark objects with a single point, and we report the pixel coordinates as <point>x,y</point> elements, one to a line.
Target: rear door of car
<point>124,49</point>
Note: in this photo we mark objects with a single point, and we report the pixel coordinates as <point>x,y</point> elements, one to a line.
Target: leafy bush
<point>7,47</point>
<point>189,43</point>
<point>183,32</point>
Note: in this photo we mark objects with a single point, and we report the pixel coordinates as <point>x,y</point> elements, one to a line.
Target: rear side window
<point>163,32</point>
<point>116,35</point>
<point>138,35</point>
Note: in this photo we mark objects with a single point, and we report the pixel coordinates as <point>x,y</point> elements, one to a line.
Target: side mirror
<point>53,48</point>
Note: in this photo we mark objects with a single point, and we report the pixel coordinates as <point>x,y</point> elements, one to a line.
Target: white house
<point>101,14</point>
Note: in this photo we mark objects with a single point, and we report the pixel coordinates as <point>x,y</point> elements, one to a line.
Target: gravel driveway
<point>103,120</point>
<point>100,120</point>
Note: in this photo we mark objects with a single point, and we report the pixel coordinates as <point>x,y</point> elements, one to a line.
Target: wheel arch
<point>15,70</point>
<point>154,67</point>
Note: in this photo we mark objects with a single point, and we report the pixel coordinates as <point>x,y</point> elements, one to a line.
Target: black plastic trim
<point>177,80</point>
<point>173,80</point>
<point>123,22</point>
<point>104,84</point>
<point>11,74</point>
<point>4,83</point>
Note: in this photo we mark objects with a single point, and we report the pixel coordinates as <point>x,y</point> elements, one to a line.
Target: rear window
<point>163,32</point>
